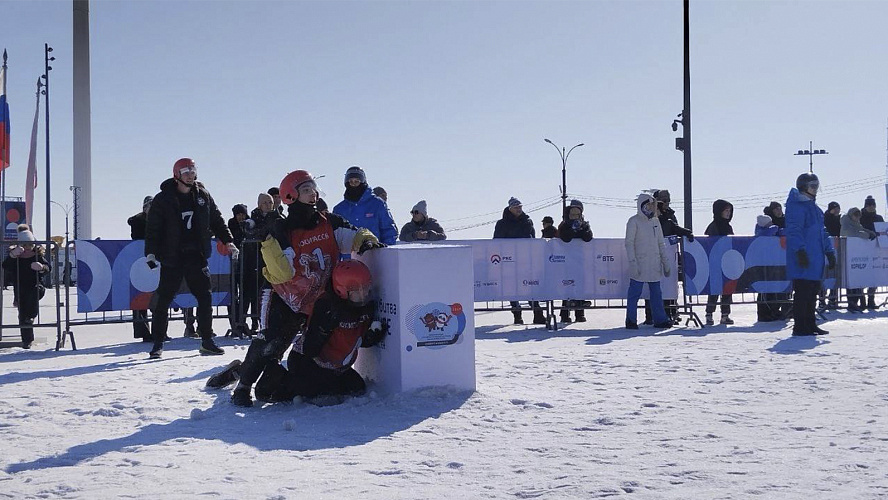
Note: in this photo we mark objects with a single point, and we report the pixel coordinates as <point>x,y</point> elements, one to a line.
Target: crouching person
<point>299,256</point>
<point>648,262</point>
<point>320,363</point>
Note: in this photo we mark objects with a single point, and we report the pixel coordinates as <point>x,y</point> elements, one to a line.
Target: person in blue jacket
<point>807,244</point>
<point>364,209</point>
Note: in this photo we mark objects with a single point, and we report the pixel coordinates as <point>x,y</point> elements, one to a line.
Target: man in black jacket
<point>137,225</point>
<point>868,219</point>
<point>722,213</point>
<point>182,218</point>
<point>516,224</point>
<point>832,219</point>
<point>573,225</point>
<point>670,227</point>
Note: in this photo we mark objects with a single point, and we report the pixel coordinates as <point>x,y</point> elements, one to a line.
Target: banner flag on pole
<point>31,177</point>
<point>4,118</point>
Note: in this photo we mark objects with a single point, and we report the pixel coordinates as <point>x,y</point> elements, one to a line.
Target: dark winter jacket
<point>428,224</point>
<point>805,231</point>
<point>570,229</point>
<point>669,224</point>
<point>514,227</point>
<point>869,219</point>
<point>25,280</point>
<point>137,225</point>
<point>833,224</point>
<point>163,234</point>
<point>369,212</point>
<point>549,232</point>
<point>238,231</point>
<point>336,330</point>
<point>263,223</point>
<point>719,225</point>
<point>777,221</point>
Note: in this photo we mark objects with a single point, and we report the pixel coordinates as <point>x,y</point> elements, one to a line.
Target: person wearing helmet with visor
<point>320,363</point>
<point>182,219</point>
<point>299,255</point>
<point>808,250</point>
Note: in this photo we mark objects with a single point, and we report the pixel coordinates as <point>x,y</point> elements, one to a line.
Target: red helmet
<point>290,183</point>
<point>182,163</point>
<point>350,275</point>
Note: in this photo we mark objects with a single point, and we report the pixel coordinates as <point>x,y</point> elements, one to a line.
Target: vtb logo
<point>605,258</point>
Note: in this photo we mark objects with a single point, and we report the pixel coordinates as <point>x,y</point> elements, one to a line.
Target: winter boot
<point>726,320</point>
<point>269,382</point>
<point>190,332</point>
<point>156,352</point>
<point>709,321</point>
<point>631,325</point>
<point>208,347</point>
<point>565,316</point>
<point>820,331</point>
<point>227,376</point>
<point>241,396</point>
<point>870,303</point>
<point>518,320</point>
<point>538,317</point>
<point>581,316</point>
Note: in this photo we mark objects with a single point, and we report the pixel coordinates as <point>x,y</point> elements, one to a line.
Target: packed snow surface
<point>589,411</point>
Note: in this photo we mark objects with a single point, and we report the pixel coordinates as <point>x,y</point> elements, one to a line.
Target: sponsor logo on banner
<point>605,258</point>
<point>436,325</point>
<point>531,282</point>
<point>858,266</point>
<point>496,259</point>
<point>557,259</point>
<point>568,282</point>
<point>605,282</point>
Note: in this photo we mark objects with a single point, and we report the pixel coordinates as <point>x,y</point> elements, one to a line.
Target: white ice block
<point>426,294</point>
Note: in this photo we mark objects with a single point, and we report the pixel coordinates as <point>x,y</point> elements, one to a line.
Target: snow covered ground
<point>586,412</point>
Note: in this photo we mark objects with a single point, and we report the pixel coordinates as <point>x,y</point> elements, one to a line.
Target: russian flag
<point>4,118</point>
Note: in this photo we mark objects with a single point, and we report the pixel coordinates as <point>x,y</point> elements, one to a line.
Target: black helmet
<point>806,181</point>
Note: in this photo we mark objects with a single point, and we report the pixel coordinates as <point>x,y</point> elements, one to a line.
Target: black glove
<point>370,245</point>
<point>376,333</point>
<point>830,261</point>
<point>802,257</point>
<point>690,238</point>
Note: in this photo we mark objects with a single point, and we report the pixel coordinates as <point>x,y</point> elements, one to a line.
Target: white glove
<point>16,252</point>
<point>249,224</point>
<point>233,250</point>
<point>151,261</point>
<point>375,326</point>
<point>36,266</point>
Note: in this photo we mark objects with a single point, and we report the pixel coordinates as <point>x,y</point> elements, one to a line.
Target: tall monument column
<point>82,124</point>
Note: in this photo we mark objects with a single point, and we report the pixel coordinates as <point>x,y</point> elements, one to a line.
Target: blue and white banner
<point>739,264</point>
<point>539,269</point>
<point>865,263</point>
<point>112,275</point>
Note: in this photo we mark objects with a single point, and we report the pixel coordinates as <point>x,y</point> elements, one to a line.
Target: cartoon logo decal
<point>436,325</point>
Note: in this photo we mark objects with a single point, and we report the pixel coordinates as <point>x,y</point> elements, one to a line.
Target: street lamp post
<point>564,155</point>
<point>47,59</point>
<point>810,154</point>
<point>67,211</point>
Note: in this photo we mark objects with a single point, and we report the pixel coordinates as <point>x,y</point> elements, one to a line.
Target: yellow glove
<point>365,240</point>
<point>278,265</point>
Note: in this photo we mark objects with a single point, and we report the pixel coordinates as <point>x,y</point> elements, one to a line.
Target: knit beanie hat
<point>548,219</point>
<point>514,202</point>
<point>240,208</point>
<point>421,208</point>
<point>662,195</point>
<point>355,173</point>
<point>24,233</point>
<point>832,205</point>
<point>769,210</point>
<point>576,203</point>
<point>870,201</point>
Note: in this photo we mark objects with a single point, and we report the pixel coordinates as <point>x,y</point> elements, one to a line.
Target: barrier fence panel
<point>40,321</point>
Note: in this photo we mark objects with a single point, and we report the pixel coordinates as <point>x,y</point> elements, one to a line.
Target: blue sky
<point>450,102</point>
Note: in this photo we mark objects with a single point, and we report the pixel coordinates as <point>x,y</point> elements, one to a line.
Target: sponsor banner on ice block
<point>539,269</point>
<point>866,263</point>
<point>738,264</point>
<point>113,276</point>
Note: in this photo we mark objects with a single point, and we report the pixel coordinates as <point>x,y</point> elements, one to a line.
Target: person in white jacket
<point>648,261</point>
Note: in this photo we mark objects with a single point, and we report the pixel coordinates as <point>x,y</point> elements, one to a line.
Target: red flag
<point>31,177</point>
<point>4,118</point>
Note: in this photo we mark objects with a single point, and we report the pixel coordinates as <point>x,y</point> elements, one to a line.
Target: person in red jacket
<point>320,363</point>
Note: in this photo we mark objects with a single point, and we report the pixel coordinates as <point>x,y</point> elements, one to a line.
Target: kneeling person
<point>320,363</point>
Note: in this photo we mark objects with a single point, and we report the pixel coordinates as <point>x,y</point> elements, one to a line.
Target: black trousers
<point>140,324</point>
<point>804,305</point>
<point>725,304</point>
<point>197,276</point>
<point>280,326</point>
<point>305,378</point>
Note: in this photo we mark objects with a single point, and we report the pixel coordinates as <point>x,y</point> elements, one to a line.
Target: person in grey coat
<point>852,228</point>
<point>421,227</point>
